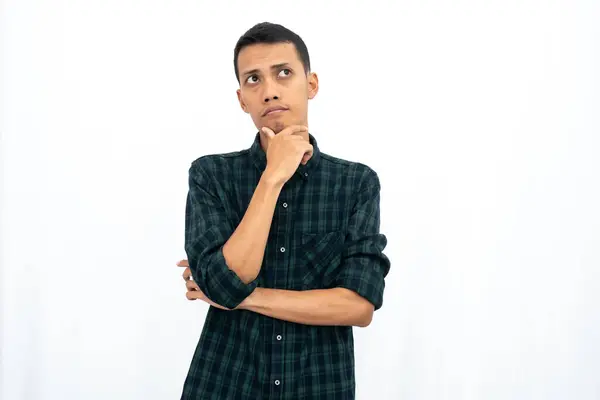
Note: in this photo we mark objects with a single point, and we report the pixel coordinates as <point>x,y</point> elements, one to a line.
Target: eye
<point>249,80</point>
<point>289,72</point>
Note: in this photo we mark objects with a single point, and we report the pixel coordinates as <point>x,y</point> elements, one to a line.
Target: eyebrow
<point>275,66</point>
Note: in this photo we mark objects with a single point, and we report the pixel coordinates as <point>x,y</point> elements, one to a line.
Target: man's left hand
<point>193,291</point>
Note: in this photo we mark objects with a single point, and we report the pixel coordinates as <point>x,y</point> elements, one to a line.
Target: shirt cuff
<point>221,284</point>
<point>365,276</point>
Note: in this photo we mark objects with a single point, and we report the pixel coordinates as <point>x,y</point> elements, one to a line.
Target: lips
<point>274,110</point>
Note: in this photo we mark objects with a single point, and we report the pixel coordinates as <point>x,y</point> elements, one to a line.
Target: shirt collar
<point>260,158</point>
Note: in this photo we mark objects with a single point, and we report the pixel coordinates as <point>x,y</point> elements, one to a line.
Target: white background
<point>481,118</point>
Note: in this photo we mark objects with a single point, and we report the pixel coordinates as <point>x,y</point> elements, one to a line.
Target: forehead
<point>262,56</point>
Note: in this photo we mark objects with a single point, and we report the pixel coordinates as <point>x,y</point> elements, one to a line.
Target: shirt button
<point>277,382</point>
<point>282,249</point>
<point>284,205</point>
<point>278,337</point>
<point>306,174</point>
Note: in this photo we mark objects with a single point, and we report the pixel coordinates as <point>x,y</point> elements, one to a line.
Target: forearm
<point>245,249</point>
<point>337,306</point>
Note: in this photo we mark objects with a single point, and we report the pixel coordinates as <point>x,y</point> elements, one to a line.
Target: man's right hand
<point>285,151</point>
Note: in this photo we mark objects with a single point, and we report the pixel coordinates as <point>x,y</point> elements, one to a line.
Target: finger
<point>183,263</point>
<point>307,154</point>
<point>191,285</point>
<point>192,295</point>
<point>294,130</point>
<point>305,158</point>
<point>187,274</point>
<point>309,150</point>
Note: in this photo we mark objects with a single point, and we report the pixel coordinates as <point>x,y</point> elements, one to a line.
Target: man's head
<point>273,68</point>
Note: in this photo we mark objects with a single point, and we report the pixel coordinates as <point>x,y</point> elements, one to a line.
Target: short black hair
<point>267,32</point>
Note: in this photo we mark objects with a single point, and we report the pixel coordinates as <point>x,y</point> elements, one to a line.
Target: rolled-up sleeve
<point>207,228</point>
<point>364,265</point>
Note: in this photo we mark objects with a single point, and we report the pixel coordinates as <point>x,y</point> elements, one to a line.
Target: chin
<point>279,126</point>
<point>275,126</point>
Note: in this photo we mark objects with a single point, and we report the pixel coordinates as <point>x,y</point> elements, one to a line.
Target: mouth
<point>274,110</point>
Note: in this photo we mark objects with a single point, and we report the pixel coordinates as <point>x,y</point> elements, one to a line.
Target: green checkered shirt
<point>324,234</point>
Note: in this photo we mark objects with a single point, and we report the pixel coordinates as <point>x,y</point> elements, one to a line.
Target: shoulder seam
<point>232,154</point>
<point>342,161</point>
<point>337,160</point>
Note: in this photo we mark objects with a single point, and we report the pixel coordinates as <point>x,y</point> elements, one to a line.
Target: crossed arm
<point>337,306</point>
<point>225,266</point>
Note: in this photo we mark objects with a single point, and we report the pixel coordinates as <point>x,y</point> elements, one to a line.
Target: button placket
<point>281,241</point>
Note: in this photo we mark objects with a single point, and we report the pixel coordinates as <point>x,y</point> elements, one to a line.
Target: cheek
<point>254,109</point>
<point>250,100</point>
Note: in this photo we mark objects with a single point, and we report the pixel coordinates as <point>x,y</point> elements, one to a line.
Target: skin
<point>272,75</point>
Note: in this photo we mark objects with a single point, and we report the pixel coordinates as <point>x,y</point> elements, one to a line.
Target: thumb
<point>267,131</point>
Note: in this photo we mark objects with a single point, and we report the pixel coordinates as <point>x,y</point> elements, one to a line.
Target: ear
<point>242,104</point>
<point>313,85</point>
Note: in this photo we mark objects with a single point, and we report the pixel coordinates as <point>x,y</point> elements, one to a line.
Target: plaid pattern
<point>324,234</point>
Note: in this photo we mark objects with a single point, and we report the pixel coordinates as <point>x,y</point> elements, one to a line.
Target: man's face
<point>272,76</point>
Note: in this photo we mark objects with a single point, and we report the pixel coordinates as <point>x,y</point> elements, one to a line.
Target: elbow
<point>221,284</point>
<point>359,310</point>
<point>365,317</point>
<point>364,311</point>
<point>246,273</point>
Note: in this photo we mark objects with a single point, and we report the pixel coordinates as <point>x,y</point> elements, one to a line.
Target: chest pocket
<point>319,258</point>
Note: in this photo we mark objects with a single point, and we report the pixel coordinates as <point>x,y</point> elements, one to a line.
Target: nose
<point>271,92</point>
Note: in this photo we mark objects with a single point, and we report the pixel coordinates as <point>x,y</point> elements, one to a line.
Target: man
<point>282,241</point>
